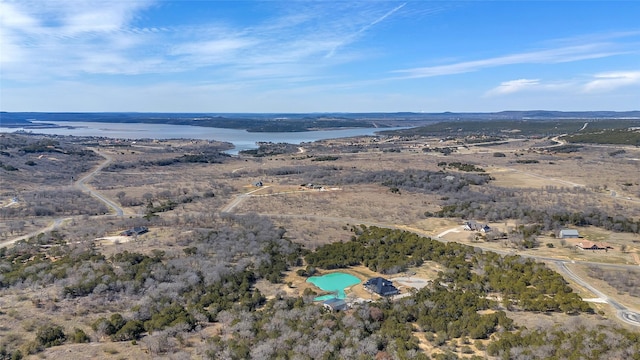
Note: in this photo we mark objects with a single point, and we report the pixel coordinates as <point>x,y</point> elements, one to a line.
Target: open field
<point>188,192</point>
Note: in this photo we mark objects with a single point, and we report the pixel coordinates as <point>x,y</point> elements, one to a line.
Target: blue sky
<point>318,56</point>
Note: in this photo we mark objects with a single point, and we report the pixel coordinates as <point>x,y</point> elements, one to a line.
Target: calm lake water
<point>241,139</point>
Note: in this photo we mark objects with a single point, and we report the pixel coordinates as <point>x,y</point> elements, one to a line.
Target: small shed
<point>568,234</point>
<point>335,304</point>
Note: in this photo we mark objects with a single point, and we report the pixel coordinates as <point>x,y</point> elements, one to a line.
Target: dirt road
<point>82,185</point>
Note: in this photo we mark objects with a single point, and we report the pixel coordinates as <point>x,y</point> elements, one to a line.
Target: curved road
<point>626,315</point>
<point>80,184</point>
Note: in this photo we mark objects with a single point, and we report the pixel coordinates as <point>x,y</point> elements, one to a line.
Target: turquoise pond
<point>334,282</point>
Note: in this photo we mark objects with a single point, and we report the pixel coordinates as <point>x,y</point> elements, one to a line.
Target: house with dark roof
<point>335,304</point>
<point>475,226</point>
<point>135,231</point>
<point>381,286</point>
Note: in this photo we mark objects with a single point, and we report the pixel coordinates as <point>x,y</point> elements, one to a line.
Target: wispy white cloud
<point>512,86</point>
<point>609,81</point>
<point>597,83</point>
<point>547,56</point>
<point>602,37</point>
<point>212,51</point>
<point>64,39</point>
<point>54,39</point>
<point>13,18</point>
<point>300,48</point>
<point>363,29</point>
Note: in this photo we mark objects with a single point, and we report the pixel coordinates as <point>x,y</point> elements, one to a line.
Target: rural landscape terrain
<point>506,238</point>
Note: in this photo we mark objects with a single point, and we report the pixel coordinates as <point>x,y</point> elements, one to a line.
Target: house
<point>381,286</point>
<point>475,226</point>
<point>568,234</point>
<point>335,304</point>
<point>588,245</point>
<point>138,230</point>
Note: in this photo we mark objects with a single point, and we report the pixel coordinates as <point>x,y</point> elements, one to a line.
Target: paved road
<point>626,315</point>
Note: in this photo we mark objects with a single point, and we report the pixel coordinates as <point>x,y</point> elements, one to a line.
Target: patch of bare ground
<point>365,202</point>
<point>166,239</point>
<point>312,231</point>
<point>431,226</point>
<point>463,347</point>
<point>506,177</point>
<point>567,170</point>
<point>120,350</point>
<point>532,321</point>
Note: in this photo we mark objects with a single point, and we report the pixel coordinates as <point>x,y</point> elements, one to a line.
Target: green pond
<point>334,282</point>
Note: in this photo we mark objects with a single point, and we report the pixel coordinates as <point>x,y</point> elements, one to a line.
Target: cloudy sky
<point>318,56</point>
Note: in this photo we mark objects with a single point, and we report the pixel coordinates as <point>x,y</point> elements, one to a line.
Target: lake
<point>241,139</point>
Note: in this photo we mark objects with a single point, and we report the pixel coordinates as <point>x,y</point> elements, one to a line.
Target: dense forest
<point>608,136</point>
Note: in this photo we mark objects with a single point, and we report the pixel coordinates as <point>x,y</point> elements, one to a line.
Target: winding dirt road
<point>82,185</point>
